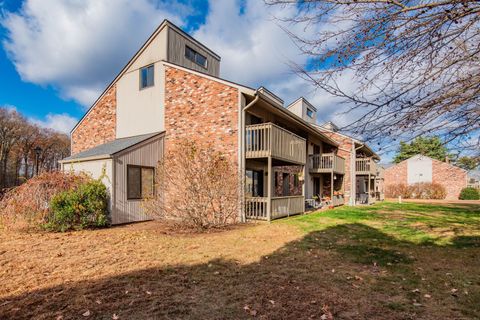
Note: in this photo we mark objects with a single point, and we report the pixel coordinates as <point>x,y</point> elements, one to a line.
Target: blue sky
<point>57,56</point>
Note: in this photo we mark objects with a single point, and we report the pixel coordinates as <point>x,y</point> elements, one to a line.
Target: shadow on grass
<point>354,271</point>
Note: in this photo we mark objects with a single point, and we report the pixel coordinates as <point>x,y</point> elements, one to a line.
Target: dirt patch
<point>266,271</point>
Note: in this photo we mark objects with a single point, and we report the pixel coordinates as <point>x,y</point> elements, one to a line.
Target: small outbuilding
<point>421,168</point>
<point>127,167</point>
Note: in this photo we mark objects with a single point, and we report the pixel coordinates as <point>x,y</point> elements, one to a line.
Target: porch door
<point>254,183</point>
<point>286,184</point>
<point>316,186</point>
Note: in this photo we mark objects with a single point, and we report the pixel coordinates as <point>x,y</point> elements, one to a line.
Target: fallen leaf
<point>98,301</point>
<point>427,296</point>
<point>148,292</point>
<point>86,313</point>
<point>115,317</point>
<point>271,301</point>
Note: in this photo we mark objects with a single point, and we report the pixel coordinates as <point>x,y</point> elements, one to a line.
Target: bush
<point>195,188</point>
<point>469,194</point>
<point>422,190</point>
<point>84,207</point>
<point>27,206</point>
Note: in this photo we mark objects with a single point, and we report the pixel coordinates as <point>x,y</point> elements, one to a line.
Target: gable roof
<point>419,156</point>
<point>107,150</point>
<point>356,141</point>
<point>164,24</point>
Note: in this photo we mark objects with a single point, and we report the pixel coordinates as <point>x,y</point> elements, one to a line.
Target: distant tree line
<point>25,146</point>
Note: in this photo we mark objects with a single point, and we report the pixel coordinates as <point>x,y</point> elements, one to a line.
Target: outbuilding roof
<point>110,148</point>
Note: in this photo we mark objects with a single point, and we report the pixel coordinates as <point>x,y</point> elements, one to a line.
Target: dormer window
<point>146,77</point>
<point>196,57</point>
<point>309,113</point>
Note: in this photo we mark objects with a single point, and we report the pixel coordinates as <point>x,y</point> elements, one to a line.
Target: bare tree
<point>18,138</point>
<point>195,187</point>
<point>415,63</point>
<point>10,127</point>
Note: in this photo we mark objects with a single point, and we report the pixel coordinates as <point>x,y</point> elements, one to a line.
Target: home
<point>170,91</point>
<point>421,168</point>
<point>364,178</point>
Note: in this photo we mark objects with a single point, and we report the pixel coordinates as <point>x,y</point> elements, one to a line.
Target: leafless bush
<point>27,206</point>
<point>197,188</point>
<point>421,190</point>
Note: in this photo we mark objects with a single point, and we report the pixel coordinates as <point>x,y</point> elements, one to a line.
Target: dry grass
<point>299,268</point>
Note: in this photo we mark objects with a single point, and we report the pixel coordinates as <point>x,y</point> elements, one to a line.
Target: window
<point>140,182</point>
<point>309,113</point>
<point>146,77</point>
<point>196,57</point>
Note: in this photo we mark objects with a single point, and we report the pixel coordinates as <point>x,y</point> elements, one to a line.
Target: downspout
<point>242,154</point>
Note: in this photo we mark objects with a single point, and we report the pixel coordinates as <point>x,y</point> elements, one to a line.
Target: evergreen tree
<point>427,146</point>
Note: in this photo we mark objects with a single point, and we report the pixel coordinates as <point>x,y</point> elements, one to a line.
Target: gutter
<point>242,152</point>
<point>100,157</point>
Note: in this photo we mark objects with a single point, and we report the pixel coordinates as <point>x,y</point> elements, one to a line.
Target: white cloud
<point>59,122</point>
<point>78,46</point>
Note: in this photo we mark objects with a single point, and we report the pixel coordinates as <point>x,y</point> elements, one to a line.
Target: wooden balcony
<point>257,207</point>
<point>326,163</point>
<point>365,166</point>
<point>338,200</point>
<point>269,140</point>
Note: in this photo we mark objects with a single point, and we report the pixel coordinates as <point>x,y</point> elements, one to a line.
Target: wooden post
<point>331,187</point>
<point>368,190</point>
<point>269,189</point>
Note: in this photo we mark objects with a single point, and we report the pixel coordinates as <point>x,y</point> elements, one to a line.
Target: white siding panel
<point>95,169</point>
<point>146,154</point>
<point>419,169</point>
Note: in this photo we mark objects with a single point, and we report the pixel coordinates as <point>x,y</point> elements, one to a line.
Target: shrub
<point>422,190</point>
<point>396,190</point>
<point>197,188</point>
<point>27,206</point>
<point>469,194</point>
<point>84,207</point>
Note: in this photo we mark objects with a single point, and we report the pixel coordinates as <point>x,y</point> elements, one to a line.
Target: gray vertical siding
<point>176,54</point>
<point>145,154</point>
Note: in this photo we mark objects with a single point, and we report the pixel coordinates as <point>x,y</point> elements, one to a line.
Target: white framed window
<point>147,76</point>
<point>309,113</point>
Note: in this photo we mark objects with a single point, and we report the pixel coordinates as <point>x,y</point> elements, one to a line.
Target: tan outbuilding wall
<point>453,178</point>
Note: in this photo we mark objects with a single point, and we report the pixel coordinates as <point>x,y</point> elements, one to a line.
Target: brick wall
<point>452,178</point>
<point>396,174</point>
<point>200,109</point>
<point>278,183</point>
<point>98,126</point>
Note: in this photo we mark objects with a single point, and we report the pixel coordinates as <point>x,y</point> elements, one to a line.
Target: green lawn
<point>420,224</point>
<point>428,255</point>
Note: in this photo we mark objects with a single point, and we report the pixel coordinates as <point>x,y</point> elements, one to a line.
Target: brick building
<point>425,169</point>
<point>170,91</point>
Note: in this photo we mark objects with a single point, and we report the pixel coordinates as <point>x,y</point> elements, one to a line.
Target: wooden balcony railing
<point>326,162</point>
<point>365,166</point>
<point>269,140</point>
<point>257,207</point>
<point>286,206</point>
<point>338,200</point>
